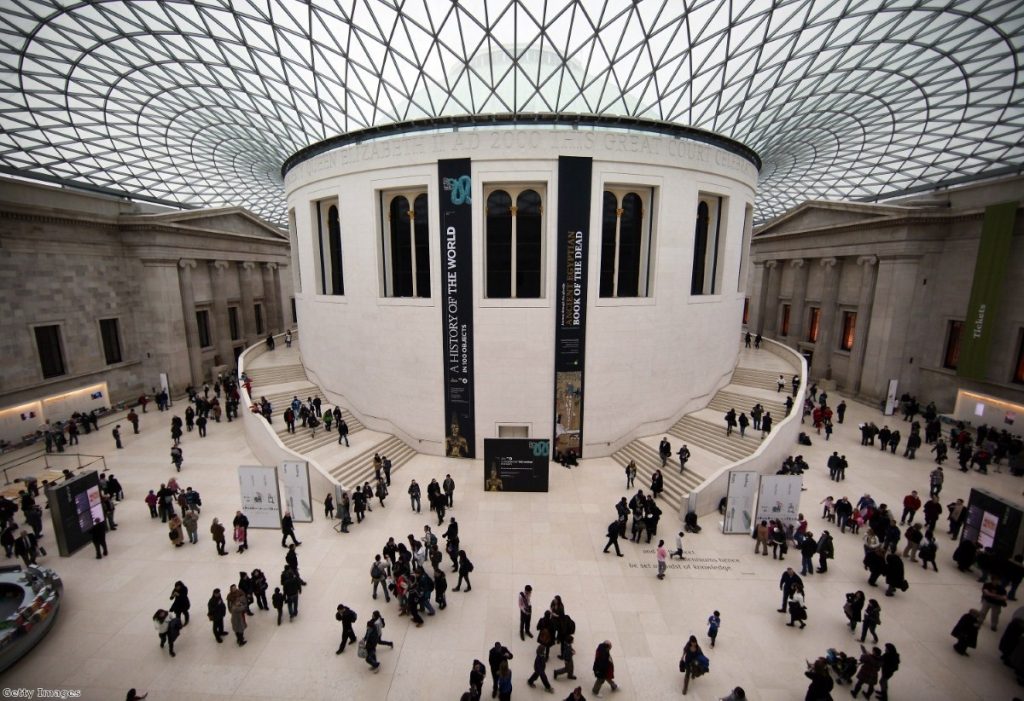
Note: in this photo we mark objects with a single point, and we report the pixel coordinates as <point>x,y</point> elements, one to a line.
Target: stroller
<point>842,665</point>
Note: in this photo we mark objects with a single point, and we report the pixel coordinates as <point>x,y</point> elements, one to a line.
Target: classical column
<point>821,366</point>
<point>188,310</point>
<point>246,315</point>
<point>758,296</point>
<point>865,303</point>
<point>271,298</point>
<point>771,306</point>
<point>221,323</point>
<point>796,304</point>
<point>283,308</point>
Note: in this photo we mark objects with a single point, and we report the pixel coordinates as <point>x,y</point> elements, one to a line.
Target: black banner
<point>457,306</point>
<point>516,464</point>
<point>571,307</point>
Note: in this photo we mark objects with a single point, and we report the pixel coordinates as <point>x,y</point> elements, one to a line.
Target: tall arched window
<point>514,243</point>
<point>330,277</point>
<point>626,242</point>
<point>405,244</point>
<point>708,245</point>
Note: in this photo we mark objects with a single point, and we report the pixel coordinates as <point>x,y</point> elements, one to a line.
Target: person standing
<point>329,506</point>
<point>217,611</point>
<point>870,666</point>
<point>766,424</point>
<point>133,419</point>
<point>662,555</point>
<point>993,598</point>
<point>190,519</point>
<point>911,503</point>
<point>292,587</point>
<point>217,532</point>
<point>841,410</point>
<point>180,603</point>
<point>238,625</point>
<point>525,612</point>
<point>684,456</point>
<point>604,667</point>
<point>277,600</point>
<point>347,617</point>
<point>241,534</point>
<point>449,490</point>
<point>98,533</point>
<point>630,473</point>
<point>664,450</point>
<point>540,663</point>
<point>787,584</point>
<point>890,663</point>
<point>116,433</point>
<point>935,480</point>
<point>853,608</point>
<point>498,655</point>
<point>288,530</point>
<point>414,496</point>
<point>167,628</point>
<point>201,425</point>
<point>797,606</point>
<point>872,619</point>
<point>343,432</point>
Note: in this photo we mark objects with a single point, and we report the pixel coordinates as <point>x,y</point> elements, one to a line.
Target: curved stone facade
<point>659,336</point>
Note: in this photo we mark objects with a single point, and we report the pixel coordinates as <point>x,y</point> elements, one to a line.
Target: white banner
<point>297,498</point>
<point>261,502</point>
<point>890,398</point>
<point>779,499</point>
<point>739,501</point>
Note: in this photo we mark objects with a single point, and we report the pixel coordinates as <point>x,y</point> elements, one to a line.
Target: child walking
<point>714,621</point>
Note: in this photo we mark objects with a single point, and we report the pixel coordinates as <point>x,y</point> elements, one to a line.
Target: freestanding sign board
<point>739,501</point>
<point>298,501</point>
<point>261,501</point>
<point>516,464</point>
<point>779,499</point>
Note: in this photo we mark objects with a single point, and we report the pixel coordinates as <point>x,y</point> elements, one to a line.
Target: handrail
<point>46,457</point>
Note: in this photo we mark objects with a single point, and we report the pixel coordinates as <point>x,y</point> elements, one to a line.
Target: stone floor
<point>103,641</point>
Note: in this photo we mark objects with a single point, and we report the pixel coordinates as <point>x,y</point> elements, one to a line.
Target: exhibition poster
<point>739,501</point>
<point>779,499</point>
<point>516,464</point>
<point>298,501</point>
<point>261,502</point>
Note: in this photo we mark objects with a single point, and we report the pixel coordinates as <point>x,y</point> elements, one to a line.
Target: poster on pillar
<point>298,499</point>
<point>574,184</point>
<point>457,309</point>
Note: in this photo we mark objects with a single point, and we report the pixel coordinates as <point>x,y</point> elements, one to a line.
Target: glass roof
<point>199,103</point>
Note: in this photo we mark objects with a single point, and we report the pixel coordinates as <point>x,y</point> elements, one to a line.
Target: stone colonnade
<point>219,320</point>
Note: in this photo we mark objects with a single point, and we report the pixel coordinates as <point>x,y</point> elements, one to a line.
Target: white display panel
<point>298,501</point>
<point>739,501</point>
<point>261,502</point>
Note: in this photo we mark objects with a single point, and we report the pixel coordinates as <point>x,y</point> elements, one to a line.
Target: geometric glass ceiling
<point>200,103</point>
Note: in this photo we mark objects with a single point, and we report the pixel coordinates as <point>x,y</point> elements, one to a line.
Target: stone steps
<point>359,468</point>
<point>724,401</point>
<point>303,440</point>
<point>276,375</point>
<point>711,437</point>
<point>762,379</point>
<point>677,487</point>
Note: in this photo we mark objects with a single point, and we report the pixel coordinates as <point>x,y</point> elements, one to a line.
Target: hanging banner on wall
<point>989,280</point>
<point>298,501</point>
<point>779,499</point>
<point>516,464</point>
<point>261,502</point>
<point>739,501</point>
<point>574,175</point>
<point>457,308</point>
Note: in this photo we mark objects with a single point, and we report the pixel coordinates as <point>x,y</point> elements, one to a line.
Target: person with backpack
<point>693,663</point>
<point>368,646</point>
<point>378,575</point>
<point>347,617</point>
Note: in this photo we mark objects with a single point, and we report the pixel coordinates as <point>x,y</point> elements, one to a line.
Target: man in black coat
<point>216,611</point>
<point>787,584</point>
<point>614,530</point>
<point>495,657</point>
<point>894,575</point>
<point>98,532</point>
<point>288,529</point>
<point>347,617</point>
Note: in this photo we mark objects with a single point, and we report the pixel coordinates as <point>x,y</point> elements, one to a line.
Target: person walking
<point>662,555</point>
<point>241,531</point>
<point>190,519</point>
<point>525,612</point>
<point>684,456</point>
<point>787,583</point>
<point>378,576</point>
<point>966,631</point>
<point>497,656</point>
<point>343,432</point>
<point>180,603</point>
<point>567,652</point>
<point>217,611</point>
<point>370,640</point>
<point>766,424</point>
<point>116,433</point>
<point>693,662</point>
<point>993,598</point>
<point>714,622</point>
<point>664,450</point>
<point>464,568</point>
<point>217,532</point>
<point>678,552</point>
<point>329,506</point>
<point>347,617</point>
<point>277,600</point>
<point>98,534</point>
<point>872,619</point>
<point>604,667</point>
<point>288,530</point>
<point>890,663</point>
<point>797,606</point>
<point>615,529</point>
<point>853,608</point>
<point>540,663</point>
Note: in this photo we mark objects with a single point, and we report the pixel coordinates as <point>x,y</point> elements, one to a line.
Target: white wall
<point>648,359</point>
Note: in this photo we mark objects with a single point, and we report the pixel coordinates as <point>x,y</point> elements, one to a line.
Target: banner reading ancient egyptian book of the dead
<point>571,302</point>
<point>455,205</point>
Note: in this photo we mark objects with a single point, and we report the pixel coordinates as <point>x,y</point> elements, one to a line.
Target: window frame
<point>330,273</point>
<point>203,328</point>
<point>952,346</point>
<point>813,324</point>
<point>233,327</point>
<point>514,190</point>
<point>385,199</point>
<point>714,245</point>
<point>1018,368</point>
<point>257,312</point>
<point>117,340</point>
<point>61,355</point>
<point>647,195</point>
<point>848,331</point>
